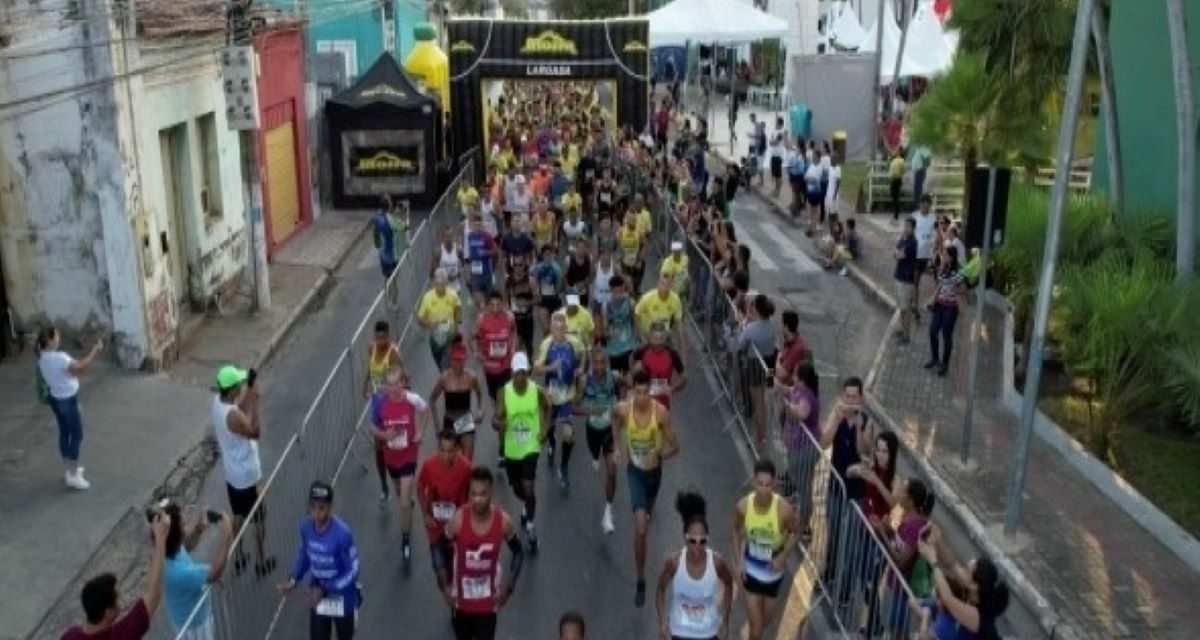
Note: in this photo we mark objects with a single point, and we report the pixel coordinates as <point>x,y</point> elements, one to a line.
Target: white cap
<point>520,179</point>
<point>572,300</point>
<point>520,362</point>
<point>677,246</point>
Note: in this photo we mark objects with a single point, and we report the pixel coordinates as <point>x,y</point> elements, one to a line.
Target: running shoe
<point>606,522</point>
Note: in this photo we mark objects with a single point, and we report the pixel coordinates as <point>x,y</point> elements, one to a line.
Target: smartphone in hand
<point>214,517</point>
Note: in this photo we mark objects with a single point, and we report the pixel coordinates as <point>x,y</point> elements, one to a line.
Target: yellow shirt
<point>653,308</point>
<point>677,270</point>
<point>630,243</point>
<point>572,202</point>
<point>896,167</point>
<point>506,160</point>
<point>435,309</point>
<point>570,159</point>
<point>581,326</point>
<point>645,223</point>
<point>467,197</point>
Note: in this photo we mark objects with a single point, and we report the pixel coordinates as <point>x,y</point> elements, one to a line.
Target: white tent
<point>712,22</point>
<point>845,31</point>
<point>927,44</point>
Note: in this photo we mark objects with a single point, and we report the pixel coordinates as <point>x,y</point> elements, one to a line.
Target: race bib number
<point>640,453</point>
<point>476,588</point>
<point>603,418</point>
<point>694,613</point>
<point>631,257</point>
<point>760,551</point>
<point>452,272</point>
<point>549,290</point>
<point>519,306</point>
<point>477,267</point>
<point>399,442</point>
<point>443,511</point>
<point>523,435</point>
<point>559,393</point>
<point>441,333</point>
<point>498,348</point>
<point>660,387</point>
<point>333,607</point>
<point>464,424</point>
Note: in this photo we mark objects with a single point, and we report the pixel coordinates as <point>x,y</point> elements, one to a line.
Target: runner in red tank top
<point>443,485</point>
<point>475,592</point>
<point>663,364</point>
<point>396,415</point>
<point>496,338</point>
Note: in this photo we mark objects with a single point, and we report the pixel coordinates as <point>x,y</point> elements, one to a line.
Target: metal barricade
<point>324,442</point>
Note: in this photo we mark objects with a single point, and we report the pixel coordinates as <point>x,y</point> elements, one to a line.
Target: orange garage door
<point>283,197</point>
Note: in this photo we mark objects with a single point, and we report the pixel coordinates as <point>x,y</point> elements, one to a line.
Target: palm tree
<point>1185,118</point>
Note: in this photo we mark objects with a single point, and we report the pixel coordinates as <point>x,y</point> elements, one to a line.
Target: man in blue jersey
<point>481,255</point>
<point>390,232</point>
<point>327,553</point>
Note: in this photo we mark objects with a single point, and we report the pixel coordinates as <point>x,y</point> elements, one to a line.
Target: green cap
<point>230,376</point>
<point>424,31</point>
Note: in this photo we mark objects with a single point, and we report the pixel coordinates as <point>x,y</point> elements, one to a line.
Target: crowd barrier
<point>856,578</point>
<point>325,441</point>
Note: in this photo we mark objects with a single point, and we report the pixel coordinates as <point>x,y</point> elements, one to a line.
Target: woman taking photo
<point>947,296</point>
<point>967,599</point>
<point>700,581</point>
<point>59,386</point>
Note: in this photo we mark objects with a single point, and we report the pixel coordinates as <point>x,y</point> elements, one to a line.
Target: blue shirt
<point>600,393</point>
<point>183,586</point>
<point>547,275</point>
<point>331,557</point>
<point>389,234</point>
<point>477,247</point>
<point>558,186</point>
<point>906,265</point>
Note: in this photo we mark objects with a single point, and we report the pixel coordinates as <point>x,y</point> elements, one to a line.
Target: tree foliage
<point>590,9</point>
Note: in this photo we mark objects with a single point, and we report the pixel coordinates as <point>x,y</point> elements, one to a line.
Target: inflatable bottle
<point>428,64</point>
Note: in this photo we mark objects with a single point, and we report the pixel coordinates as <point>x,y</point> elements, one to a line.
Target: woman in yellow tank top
<point>649,438</point>
<point>765,530</point>
<point>543,227</point>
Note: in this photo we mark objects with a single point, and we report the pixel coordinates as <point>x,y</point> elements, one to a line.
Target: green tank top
<point>523,416</point>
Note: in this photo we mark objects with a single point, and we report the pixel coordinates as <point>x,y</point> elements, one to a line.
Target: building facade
<point>356,37</point>
<point>1145,88</point>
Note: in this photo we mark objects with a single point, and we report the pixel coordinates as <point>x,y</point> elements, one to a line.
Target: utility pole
<point>240,68</point>
<point>1041,313</point>
<point>977,321</point>
<point>633,7</point>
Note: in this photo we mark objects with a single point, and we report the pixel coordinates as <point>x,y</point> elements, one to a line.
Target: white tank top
<point>695,612</point>
<point>601,290</point>
<point>239,454</point>
<point>573,230</point>
<point>450,262</point>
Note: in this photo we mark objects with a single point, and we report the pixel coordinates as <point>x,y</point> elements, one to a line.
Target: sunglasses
<point>700,541</point>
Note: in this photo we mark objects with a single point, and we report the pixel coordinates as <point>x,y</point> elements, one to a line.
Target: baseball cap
<point>230,376</point>
<point>520,179</point>
<point>458,353</point>
<point>320,492</point>
<point>520,362</point>
<point>677,246</point>
<point>572,300</point>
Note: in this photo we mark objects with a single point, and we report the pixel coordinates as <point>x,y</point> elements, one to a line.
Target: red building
<point>282,134</point>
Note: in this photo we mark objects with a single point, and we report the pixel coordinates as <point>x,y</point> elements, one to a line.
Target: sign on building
<point>239,70</point>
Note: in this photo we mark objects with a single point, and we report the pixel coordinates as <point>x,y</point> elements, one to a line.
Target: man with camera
<point>237,425</point>
<point>184,579</point>
<point>102,601</point>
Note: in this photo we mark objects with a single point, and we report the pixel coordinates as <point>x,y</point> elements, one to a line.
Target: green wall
<point>1142,75</point>
<point>362,23</point>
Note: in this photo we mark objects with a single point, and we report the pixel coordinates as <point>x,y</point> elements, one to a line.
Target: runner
<point>475,593</point>
<point>617,323</point>
<point>396,414</point>
<point>522,418</point>
<point>389,234</point>
<point>580,324</point>
<point>675,267</point>
<point>521,290</point>
<point>579,269</point>
<point>602,282</point>
<point>574,229</point>
<point>765,530</point>
<point>644,428</point>
<point>606,238</point>
<point>662,363</point>
<point>382,355</point>
<point>661,305</point>
<point>549,277</point>
<point>443,484</point>
<point>440,313</point>
<point>699,606</point>
<point>516,245</point>
<point>632,243</point>
<point>559,357</point>
<point>327,552</point>
<point>458,385</point>
<point>544,227</point>
<point>448,258</point>
<point>481,253</point>
<point>597,397</point>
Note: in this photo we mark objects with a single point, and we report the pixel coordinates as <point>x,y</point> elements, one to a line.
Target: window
<point>210,166</point>
<point>349,51</point>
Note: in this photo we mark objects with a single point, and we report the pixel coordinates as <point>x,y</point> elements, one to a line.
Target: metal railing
<point>850,561</point>
<point>324,441</point>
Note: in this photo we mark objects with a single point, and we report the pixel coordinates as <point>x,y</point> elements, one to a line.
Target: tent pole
<point>875,98</point>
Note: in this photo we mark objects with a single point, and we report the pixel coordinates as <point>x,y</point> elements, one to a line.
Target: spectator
<point>826,164</point>
<point>849,248</point>
<point>102,601</point>
<point>849,433</point>
<point>58,386</point>
<point>812,192</point>
<point>921,159</point>
<point>924,225</point>
<point>968,599</point>
<point>878,474</point>
<point>916,503</point>
<point>792,348</point>
<point>777,145</point>
<point>905,273</point>
<point>185,579</point>
<point>238,427</point>
<point>758,144</point>
<point>945,304</point>
<point>801,433</point>
<point>896,181</point>
<point>833,189</point>
<point>756,348</point>
<point>797,168</point>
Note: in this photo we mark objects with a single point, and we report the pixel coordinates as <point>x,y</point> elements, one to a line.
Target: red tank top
<point>401,416</point>
<point>495,334</point>
<point>659,364</point>
<point>477,565</point>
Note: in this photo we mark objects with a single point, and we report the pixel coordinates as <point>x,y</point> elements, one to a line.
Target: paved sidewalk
<point>1101,573</point>
<point>141,431</point>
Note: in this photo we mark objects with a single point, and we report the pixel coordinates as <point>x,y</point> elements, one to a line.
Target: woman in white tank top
<point>700,581</point>
<point>601,289</point>
<point>448,258</point>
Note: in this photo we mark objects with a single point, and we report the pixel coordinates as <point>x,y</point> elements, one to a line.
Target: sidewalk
<point>142,431</point>
<point>1101,574</point>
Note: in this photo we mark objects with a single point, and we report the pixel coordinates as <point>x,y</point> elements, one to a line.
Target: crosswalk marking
<point>800,260</point>
<point>757,254</point>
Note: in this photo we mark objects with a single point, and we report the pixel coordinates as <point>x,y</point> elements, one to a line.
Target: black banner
<point>616,50</point>
<point>385,161</point>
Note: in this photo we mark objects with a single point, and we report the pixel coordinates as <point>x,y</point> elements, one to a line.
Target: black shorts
<point>474,626</point>
<point>551,303</point>
<point>241,501</point>
<point>522,469</point>
<point>760,588</point>
<point>620,362</point>
<point>403,471</point>
<point>922,265</point>
<point>496,382</point>
<point>599,441</point>
<point>776,167</point>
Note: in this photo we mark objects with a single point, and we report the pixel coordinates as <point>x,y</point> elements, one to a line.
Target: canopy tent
<point>712,22</point>
<point>845,30</point>
<point>927,51</point>
<point>384,137</point>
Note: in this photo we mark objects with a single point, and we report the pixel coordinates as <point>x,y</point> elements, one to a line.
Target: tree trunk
<point>1108,101</point>
<point>1185,117</point>
<point>900,51</point>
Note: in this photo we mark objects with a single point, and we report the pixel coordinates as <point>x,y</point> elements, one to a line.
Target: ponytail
<point>692,509</point>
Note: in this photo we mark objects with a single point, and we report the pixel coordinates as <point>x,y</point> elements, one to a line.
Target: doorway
<point>176,175</point>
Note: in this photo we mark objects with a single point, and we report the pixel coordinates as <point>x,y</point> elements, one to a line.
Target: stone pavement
<point>51,539</point>
<point>1101,574</point>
